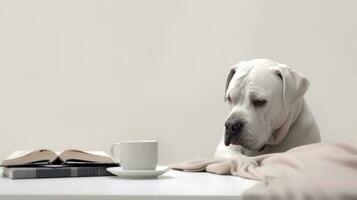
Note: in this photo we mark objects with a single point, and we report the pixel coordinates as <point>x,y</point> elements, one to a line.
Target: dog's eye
<point>259,102</point>
<point>229,99</point>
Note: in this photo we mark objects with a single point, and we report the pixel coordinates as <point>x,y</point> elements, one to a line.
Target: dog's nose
<point>233,126</point>
<point>233,129</point>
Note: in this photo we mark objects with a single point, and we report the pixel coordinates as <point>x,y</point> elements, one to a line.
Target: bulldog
<point>268,111</point>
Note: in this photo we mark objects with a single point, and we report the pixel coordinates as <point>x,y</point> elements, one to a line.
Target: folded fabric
<point>315,171</point>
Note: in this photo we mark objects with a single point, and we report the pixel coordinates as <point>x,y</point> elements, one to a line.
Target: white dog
<point>269,113</point>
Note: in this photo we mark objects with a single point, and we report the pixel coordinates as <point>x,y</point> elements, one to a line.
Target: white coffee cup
<point>136,154</point>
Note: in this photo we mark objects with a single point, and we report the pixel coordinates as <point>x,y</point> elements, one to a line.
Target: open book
<point>48,157</point>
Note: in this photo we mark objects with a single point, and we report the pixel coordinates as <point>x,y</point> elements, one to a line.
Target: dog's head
<point>261,94</point>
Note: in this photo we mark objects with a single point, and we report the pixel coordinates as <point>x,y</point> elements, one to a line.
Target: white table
<point>172,185</point>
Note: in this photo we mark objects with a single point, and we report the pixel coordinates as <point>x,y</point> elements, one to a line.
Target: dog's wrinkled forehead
<point>254,74</point>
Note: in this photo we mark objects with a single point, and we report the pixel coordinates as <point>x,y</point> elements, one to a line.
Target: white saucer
<point>138,174</point>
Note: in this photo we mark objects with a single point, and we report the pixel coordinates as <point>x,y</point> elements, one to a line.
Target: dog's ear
<point>295,85</point>
<point>229,77</point>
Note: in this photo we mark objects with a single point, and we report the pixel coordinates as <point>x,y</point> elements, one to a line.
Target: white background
<point>85,74</point>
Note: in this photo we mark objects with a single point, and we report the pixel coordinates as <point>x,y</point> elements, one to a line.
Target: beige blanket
<point>316,171</point>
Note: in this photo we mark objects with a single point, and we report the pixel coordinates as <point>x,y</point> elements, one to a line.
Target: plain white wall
<point>85,74</point>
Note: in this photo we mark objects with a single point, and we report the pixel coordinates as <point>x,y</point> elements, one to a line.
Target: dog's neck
<point>302,130</point>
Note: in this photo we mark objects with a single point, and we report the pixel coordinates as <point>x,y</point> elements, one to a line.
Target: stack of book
<point>45,163</point>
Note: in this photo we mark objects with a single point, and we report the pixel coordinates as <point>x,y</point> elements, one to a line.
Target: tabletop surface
<point>171,185</point>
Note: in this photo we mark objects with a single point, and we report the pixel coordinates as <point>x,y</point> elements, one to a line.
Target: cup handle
<point>112,148</point>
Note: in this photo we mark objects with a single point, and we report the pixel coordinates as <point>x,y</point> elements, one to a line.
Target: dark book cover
<point>56,171</point>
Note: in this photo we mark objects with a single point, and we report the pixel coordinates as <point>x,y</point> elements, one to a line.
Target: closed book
<point>55,172</point>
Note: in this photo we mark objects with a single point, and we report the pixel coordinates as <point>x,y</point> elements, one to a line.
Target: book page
<point>17,154</point>
<point>88,156</point>
<point>98,153</point>
<point>27,157</point>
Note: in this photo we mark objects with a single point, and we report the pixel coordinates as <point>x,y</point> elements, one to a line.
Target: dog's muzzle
<point>233,131</point>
